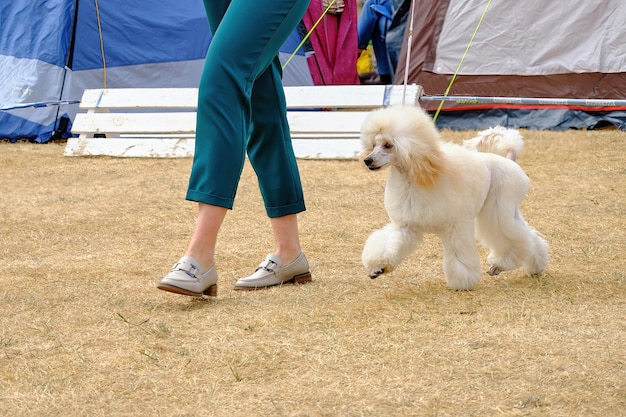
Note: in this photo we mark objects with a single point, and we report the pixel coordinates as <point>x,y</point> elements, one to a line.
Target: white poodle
<point>456,192</point>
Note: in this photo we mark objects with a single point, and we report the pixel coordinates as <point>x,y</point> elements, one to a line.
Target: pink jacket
<point>334,42</point>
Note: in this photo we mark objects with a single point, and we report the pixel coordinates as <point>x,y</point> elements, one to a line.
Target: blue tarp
<point>50,51</point>
<point>136,32</point>
<point>36,29</point>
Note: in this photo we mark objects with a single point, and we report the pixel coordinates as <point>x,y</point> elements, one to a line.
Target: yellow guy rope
<point>462,59</point>
<point>104,62</point>
<point>309,34</point>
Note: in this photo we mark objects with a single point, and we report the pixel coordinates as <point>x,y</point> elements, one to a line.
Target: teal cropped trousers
<point>242,109</point>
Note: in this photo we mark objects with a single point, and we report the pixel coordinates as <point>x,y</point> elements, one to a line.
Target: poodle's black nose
<point>368,161</point>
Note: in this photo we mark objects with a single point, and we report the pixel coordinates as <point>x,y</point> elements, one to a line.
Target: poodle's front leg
<point>387,247</point>
<point>461,261</point>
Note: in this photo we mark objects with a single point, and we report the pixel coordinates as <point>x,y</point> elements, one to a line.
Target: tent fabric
<point>535,48</point>
<point>27,31</point>
<point>50,51</point>
<point>33,53</point>
<point>562,39</point>
<point>162,32</point>
<point>334,43</point>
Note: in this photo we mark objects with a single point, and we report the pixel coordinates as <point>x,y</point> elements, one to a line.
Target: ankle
<point>204,260</point>
<point>288,256</point>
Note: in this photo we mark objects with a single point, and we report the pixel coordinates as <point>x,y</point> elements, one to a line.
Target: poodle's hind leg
<point>505,237</point>
<point>511,242</point>
<point>536,263</point>
<point>387,247</point>
<point>461,261</point>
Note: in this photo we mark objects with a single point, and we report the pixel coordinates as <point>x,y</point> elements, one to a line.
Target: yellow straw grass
<point>84,331</point>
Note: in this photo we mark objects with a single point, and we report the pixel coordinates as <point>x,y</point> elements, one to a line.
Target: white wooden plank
<point>296,135</point>
<point>185,122</point>
<point>350,96</point>
<point>335,96</point>
<point>120,147</point>
<point>144,98</point>
<point>182,148</point>
<point>398,94</point>
<point>172,123</point>
<point>332,96</point>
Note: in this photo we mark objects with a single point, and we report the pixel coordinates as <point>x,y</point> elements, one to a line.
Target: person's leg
<point>204,238</point>
<point>286,237</point>
<point>244,45</point>
<point>210,216</point>
<point>195,274</point>
<point>271,155</point>
<point>247,40</point>
<point>247,37</point>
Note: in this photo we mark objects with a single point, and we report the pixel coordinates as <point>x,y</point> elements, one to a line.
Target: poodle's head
<point>404,137</point>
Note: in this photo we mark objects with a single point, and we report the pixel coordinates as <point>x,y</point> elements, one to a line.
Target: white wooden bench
<point>160,122</point>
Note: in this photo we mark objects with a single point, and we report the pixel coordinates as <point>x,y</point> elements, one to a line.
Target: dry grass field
<point>84,331</point>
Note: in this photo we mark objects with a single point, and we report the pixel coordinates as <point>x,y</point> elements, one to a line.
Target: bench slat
<point>345,96</point>
<point>184,147</point>
<point>170,123</point>
<point>304,97</point>
<point>140,98</point>
<point>185,122</point>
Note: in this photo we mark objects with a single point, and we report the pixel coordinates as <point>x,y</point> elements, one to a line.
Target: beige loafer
<point>271,273</point>
<point>187,278</point>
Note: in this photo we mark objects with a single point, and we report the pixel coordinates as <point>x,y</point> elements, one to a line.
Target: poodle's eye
<point>388,145</point>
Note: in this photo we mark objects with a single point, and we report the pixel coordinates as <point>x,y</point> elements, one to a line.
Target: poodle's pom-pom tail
<point>499,140</point>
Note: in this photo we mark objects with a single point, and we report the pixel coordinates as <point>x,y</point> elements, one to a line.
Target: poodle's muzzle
<point>369,162</point>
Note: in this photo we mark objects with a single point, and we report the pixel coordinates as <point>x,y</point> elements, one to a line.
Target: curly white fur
<point>456,192</point>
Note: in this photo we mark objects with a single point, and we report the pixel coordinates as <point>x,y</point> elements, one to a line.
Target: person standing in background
<point>383,22</point>
<point>373,22</point>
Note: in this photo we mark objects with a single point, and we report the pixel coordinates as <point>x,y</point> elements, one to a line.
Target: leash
<point>458,68</point>
<point>309,33</point>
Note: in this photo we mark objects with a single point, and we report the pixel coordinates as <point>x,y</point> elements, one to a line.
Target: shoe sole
<point>298,279</point>
<point>211,291</point>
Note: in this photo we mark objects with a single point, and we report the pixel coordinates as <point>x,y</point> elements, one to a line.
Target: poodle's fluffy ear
<point>417,146</point>
<point>424,169</point>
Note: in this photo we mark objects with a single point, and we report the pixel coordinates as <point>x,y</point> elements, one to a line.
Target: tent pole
<point>408,53</point>
<point>528,101</point>
<point>69,63</point>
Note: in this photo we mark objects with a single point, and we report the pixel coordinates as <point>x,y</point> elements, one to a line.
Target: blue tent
<point>51,50</point>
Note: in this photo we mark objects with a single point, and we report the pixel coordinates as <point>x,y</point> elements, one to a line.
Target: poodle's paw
<point>376,273</point>
<point>375,268</point>
<point>493,271</point>
<point>500,264</point>
<point>537,263</point>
